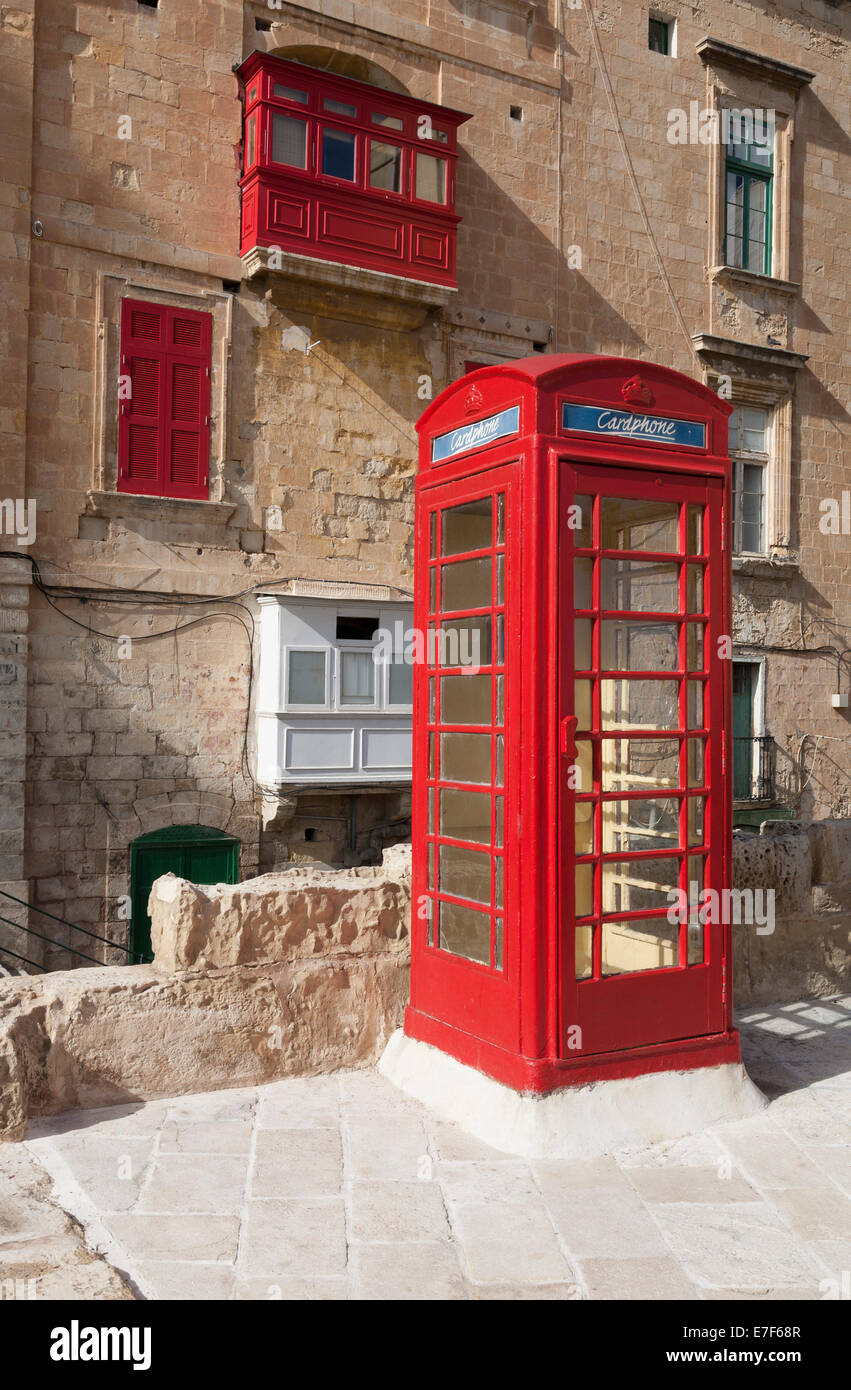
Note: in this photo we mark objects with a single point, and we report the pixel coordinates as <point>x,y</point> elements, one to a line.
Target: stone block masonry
<point>292,974</point>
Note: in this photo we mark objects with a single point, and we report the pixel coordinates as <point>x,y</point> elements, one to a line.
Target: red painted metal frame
<point>315,214</point>
<point>515,1028</point>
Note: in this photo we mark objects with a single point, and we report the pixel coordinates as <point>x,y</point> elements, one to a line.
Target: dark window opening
<point>310,833</point>
<point>149,4</point>
<point>230,286</point>
<point>356,629</point>
<point>516,113</point>
<point>263,26</point>
<point>659,36</point>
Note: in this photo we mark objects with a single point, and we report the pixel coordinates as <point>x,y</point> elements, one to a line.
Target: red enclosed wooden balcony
<point>344,173</point>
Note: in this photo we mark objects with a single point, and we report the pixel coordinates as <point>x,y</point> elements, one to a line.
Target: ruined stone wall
<point>291,974</point>
<point>313,455</point>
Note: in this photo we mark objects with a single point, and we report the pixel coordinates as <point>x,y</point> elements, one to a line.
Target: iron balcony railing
<point>753,768</point>
<point>6,951</point>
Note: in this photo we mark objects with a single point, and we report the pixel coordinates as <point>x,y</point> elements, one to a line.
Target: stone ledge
<point>749,279</point>
<point>728,55</point>
<point>352,293</point>
<point>111,506</point>
<point>763,567</point>
<point>710,345</point>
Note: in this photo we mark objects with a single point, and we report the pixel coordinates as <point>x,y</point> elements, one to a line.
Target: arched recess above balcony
<point>343,64</point>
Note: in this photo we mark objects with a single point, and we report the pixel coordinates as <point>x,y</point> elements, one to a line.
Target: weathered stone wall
<point>313,455</point>
<point>293,974</point>
<point>809,951</point>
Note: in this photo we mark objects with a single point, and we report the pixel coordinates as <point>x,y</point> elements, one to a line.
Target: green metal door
<point>744,686</point>
<point>195,852</point>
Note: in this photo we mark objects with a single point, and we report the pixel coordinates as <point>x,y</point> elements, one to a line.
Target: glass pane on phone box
<point>634,764</point>
<point>468,526</point>
<point>583,569</point>
<point>584,827</point>
<point>634,825</point>
<point>465,758</point>
<point>465,932</point>
<point>628,523</point>
<point>465,873</point>
<point>582,643</point>
<point>465,699</point>
<point>637,704</point>
<point>650,943</point>
<point>580,520</point>
<point>465,642</point>
<point>465,815</point>
<point>627,645</point>
<point>638,885</point>
<point>639,586</point>
<point>466,584</point>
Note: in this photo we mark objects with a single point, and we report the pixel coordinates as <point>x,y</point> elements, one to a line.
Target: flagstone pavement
<point>339,1187</point>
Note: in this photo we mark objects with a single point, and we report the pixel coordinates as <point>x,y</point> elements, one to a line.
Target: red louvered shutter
<point>164,426</point>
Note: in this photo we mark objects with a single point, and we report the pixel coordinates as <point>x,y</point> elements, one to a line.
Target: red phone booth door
<point>642,810</point>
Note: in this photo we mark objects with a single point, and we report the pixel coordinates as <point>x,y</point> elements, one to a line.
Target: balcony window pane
<point>340,108</point>
<point>250,141</point>
<point>306,679</point>
<point>357,678</point>
<point>401,683</point>
<point>389,122</point>
<point>431,178</point>
<point>289,93</point>
<point>338,154</point>
<point>385,166</point>
<point>289,141</point>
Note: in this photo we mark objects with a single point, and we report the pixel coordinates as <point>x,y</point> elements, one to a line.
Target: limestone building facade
<point>231,285</point>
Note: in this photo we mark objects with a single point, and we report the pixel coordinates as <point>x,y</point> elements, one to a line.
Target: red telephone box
<point>571,723</point>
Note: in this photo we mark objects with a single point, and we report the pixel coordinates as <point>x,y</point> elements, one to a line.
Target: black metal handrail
<point>65,923</point>
<point>60,945</point>
<point>753,776</point>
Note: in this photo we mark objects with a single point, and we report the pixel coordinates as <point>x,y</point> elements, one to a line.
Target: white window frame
<point>385,667</point>
<point>292,707</point>
<point>340,648</point>
<point>765,461</point>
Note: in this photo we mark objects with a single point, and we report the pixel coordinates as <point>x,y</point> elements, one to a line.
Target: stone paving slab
<point>340,1187</point>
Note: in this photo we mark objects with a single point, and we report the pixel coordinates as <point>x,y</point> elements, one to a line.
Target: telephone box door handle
<point>568,730</point>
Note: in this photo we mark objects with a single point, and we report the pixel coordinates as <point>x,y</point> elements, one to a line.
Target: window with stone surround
<point>164,400</point>
<point>748,173</point>
<point>342,171</point>
<point>750,452</point>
